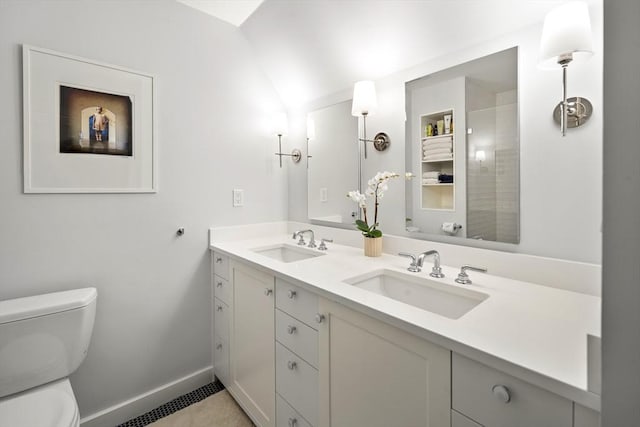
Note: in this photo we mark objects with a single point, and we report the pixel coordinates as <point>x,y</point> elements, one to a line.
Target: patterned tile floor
<point>175,405</point>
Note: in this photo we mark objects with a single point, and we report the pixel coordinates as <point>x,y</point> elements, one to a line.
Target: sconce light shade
<point>566,34</point>
<point>480,156</point>
<point>311,128</point>
<point>280,124</point>
<point>364,98</point>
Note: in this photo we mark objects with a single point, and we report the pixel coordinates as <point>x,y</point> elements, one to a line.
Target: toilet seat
<point>50,405</point>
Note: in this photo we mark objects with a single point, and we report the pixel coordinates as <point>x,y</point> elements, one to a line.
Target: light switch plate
<point>238,198</point>
<point>324,194</point>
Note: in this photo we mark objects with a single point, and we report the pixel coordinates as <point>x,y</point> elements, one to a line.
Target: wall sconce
<point>311,134</point>
<point>364,103</point>
<point>481,156</point>
<point>566,36</point>
<point>281,127</point>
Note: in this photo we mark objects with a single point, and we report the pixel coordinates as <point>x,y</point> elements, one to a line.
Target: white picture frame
<point>89,127</point>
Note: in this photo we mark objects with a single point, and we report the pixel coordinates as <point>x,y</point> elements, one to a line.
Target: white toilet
<point>43,339</point>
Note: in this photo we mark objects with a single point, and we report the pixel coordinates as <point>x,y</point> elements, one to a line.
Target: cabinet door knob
<point>293,422</point>
<point>319,318</point>
<point>292,294</point>
<point>502,393</point>
<point>291,329</point>
<point>219,308</point>
<point>219,347</point>
<point>219,284</point>
<point>268,292</point>
<point>292,365</point>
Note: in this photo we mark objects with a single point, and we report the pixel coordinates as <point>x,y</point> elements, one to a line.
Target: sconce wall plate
<point>296,155</point>
<point>381,141</point>
<point>579,110</point>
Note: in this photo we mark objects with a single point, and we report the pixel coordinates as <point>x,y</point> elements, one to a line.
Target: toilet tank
<point>44,337</point>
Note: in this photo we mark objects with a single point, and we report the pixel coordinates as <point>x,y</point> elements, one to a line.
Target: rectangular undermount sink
<point>287,253</point>
<point>416,290</point>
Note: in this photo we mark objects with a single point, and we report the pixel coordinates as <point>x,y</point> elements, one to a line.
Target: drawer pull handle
<point>293,422</point>
<point>218,260</point>
<point>219,308</point>
<point>502,393</point>
<point>291,329</point>
<point>268,292</point>
<point>292,365</point>
<point>292,294</point>
<point>219,284</point>
<point>319,318</point>
<point>219,347</point>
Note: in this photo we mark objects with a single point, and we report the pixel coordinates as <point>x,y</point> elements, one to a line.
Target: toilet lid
<point>42,407</point>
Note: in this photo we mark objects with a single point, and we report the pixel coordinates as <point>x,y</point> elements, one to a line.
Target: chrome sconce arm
<point>295,155</point>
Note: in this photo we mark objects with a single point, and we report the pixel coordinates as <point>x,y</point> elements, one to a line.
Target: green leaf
<point>361,224</point>
<point>375,233</point>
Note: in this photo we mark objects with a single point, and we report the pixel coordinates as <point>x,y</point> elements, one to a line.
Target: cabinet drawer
<point>221,316</point>
<point>222,289</point>
<point>220,265</point>
<point>297,383</point>
<point>221,368</point>
<point>286,416</point>
<point>297,302</point>
<point>297,337</point>
<point>495,399</point>
<point>459,420</point>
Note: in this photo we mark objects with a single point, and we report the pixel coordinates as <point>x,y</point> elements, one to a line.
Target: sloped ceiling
<point>314,48</point>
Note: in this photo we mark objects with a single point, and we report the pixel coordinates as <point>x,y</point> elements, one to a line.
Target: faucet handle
<point>463,277</point>
<point>322,246</point>
<point>413,267</point>
<point>301,241</point>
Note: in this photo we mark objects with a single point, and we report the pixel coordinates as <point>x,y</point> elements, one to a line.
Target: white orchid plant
<point>376,188</point>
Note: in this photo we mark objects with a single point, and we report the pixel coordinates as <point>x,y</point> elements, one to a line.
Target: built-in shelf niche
<point>440,196</point>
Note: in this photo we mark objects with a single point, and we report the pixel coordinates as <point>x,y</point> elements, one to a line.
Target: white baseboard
<point>145,402</point>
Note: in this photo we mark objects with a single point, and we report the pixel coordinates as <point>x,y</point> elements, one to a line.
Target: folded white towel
<point>437,143</point>
<point>432,174</point>
<point>436,151</point>
<point>429,181</point>
<point>444,156</point>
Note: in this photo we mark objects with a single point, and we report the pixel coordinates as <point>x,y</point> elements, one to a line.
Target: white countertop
<point>537,333</point>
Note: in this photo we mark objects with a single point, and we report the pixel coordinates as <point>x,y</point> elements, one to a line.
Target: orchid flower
<point>377,186</point>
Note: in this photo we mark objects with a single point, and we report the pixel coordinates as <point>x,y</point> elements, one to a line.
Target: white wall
<point>153,316</point>
<point>560,184</point>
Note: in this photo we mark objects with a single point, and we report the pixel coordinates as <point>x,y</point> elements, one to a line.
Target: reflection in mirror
<point>462,145</point>
<point>332,166</point>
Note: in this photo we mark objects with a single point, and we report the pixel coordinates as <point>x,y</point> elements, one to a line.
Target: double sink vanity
<point>309,337</point>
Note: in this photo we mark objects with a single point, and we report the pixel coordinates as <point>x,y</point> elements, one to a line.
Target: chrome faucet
<point>463,277</point>
<point>436,271</point>
<point>301,242</point>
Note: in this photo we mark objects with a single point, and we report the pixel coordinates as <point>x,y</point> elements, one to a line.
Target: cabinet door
<point>252,351</point>
<point>372,374</point>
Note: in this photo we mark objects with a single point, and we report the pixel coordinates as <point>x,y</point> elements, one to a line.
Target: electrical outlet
<point>238,198</point>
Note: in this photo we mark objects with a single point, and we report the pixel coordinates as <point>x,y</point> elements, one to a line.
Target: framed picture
<point>88,127</point>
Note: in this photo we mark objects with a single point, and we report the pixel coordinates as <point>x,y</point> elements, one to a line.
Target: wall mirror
<point>332,171</point>
<point>462,145</point>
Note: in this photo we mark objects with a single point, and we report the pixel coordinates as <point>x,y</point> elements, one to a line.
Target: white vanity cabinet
<point>494,399</point>
<point>296,356</point>
<point>252,343</point>
<point>375,375</point>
